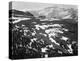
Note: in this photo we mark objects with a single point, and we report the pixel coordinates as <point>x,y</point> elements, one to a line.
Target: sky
<point>18,5</point>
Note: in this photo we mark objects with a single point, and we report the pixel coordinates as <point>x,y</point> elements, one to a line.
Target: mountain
<point>56,13</point>
<point>17,13</point>
<point>60,13</point>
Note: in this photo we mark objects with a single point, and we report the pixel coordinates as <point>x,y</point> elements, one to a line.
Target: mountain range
<point>56,12</point>
<point>47,13</point>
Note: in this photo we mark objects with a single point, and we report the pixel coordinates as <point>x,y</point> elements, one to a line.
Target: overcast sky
<point>35,6</point>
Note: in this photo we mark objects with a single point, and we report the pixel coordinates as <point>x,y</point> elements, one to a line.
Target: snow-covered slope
<point>57,12</point>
